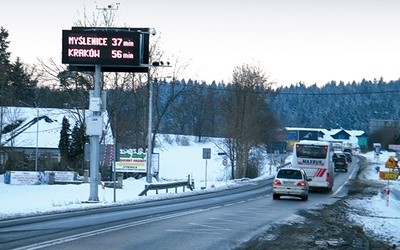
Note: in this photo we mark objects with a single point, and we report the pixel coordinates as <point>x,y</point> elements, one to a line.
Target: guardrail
<point>168,186</point>
<point>285,165</point>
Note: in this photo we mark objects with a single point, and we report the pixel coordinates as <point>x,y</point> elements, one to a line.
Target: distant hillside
<point>337,105</point>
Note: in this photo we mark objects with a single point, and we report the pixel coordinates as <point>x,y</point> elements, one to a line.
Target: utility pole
<point>95,141</point>
<point>149,133</point>
<point>93,125</point>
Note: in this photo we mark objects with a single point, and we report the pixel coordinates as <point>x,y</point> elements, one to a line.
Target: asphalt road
<point>220,220</point>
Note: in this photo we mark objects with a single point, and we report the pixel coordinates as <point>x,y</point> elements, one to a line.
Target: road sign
<point>224,162</point>
<point>391,163</point>
<point>116,50</point>
<point>384,175</point>
<point>206,153</point>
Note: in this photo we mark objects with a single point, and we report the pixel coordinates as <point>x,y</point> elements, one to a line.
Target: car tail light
<point>301,184</point>
<point>345,161</point>
<point>277,182</point>
<point>328,178</point>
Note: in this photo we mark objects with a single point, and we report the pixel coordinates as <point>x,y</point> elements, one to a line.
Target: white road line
<point>103,230</point>
<point>230,221</point>
<point>208,226</point>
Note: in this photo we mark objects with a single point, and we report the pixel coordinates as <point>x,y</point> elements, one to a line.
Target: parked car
<point>290,181</point>
<point>340,162</point>
<point>348,156</point>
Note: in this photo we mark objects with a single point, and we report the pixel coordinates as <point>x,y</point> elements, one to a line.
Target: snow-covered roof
<point>20,129</point>
<point>328,133</point>
<point>355,132</point>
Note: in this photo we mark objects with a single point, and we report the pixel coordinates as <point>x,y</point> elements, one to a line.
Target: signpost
<point>206,155</point>
<point>135,163</point>
<point>103,49</point>
<point>391,163</point>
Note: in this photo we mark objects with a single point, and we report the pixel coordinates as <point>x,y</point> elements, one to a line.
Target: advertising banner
<point>63,176</point>
<point>135,163</point>
<point>24,178</point>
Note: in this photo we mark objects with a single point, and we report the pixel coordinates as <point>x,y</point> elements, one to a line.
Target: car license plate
<point>289,182</point>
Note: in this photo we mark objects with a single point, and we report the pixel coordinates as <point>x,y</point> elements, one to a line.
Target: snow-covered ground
<point>177,162</point>
<point>382,219</point>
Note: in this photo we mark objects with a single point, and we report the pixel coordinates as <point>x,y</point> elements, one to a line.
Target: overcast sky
<point>312,41</point>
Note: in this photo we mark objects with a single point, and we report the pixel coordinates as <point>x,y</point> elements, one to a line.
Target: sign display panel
<point>101,47</point>
<point>112,49</point>
<point>206,153</point>
<point>135,163</point>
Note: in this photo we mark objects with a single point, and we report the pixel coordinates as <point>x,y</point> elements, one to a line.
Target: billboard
<point>23,178</point>
<point>128,162</point>
<point>115,49</point>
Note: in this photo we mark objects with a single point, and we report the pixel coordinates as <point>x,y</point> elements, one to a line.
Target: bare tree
<point>246,116</point>
<point>163,100</point>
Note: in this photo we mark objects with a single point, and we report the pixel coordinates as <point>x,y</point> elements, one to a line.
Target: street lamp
<point>149,136</point>
<point>37,132</point>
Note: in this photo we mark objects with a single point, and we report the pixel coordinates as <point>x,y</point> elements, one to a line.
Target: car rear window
<point>289,174</point>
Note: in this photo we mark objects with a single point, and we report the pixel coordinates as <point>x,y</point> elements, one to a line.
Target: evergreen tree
<point>78,140</point>
<point>4,54</point>
<point>4,65</point>
<point>21,83</point>
<point>64,144</point>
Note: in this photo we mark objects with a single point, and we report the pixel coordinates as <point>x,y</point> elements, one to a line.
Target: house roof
<point>328,133</point>
<point>20,127</point>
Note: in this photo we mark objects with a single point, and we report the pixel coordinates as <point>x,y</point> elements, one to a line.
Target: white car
<point>291,181</point>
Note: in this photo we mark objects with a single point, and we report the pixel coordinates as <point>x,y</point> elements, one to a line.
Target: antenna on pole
<point>107,12</point>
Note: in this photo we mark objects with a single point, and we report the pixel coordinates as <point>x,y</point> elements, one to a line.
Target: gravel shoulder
<point>327,228</point>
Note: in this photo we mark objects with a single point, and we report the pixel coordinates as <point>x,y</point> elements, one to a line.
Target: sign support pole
<point>95,145</point>
<point>149,134</point>
<point>206,155</point>
<point>205,177</point>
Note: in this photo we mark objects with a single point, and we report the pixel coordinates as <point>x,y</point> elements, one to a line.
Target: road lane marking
<point>103,230</point>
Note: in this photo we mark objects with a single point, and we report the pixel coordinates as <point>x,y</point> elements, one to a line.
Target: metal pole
<point>149,132</point>
<point>94,145</point>
<point>205,178</point>
<point>37,139</point>
<point>115,168</point>
<point>115,157</point>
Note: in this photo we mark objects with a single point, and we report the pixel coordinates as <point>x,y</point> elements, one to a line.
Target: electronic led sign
<point>120,49</point>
